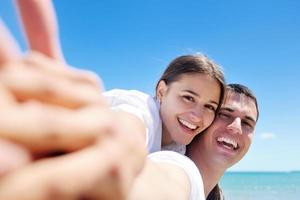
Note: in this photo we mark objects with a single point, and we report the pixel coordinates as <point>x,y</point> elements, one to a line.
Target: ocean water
<point>261,185</point>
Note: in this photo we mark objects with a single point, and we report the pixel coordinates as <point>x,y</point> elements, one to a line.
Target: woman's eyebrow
<point>192,92</point>
<point>197,95</point>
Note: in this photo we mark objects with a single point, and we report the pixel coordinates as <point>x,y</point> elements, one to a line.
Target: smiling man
<point>222,145</point>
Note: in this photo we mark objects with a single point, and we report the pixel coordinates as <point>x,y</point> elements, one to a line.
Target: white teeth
<point>228,141</point>
<point>187,124</point>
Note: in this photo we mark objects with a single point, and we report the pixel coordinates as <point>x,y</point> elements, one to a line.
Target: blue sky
<point>129,43</point>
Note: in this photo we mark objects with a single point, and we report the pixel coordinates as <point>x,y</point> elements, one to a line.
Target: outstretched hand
<point>48,107</point>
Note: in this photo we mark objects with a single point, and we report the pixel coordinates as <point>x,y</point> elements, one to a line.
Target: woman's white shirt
<point>146,108</point>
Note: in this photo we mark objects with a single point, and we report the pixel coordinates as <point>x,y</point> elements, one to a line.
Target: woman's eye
<point>188,98</point>
<point>210,107</point>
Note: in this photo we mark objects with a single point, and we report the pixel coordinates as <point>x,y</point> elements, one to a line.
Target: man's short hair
<point>241,89</point>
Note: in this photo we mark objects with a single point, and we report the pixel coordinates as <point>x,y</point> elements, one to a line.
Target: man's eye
<point>188,98</point>
<point>247,124</point>
<point>223,115</point>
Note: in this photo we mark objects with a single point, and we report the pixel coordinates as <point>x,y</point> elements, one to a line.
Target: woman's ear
<point>161,90</point>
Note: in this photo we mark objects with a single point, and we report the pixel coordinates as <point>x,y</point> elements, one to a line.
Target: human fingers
<point>60,69</point>
<point>43,128</point>
<point>12,156</point>
<point>6,98</point>
<point>30,83</point>
<point>9,50</point>
<point>40,25</point>
<point>90,173</point>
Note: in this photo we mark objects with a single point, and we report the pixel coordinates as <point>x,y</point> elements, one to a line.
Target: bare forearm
<point>133,136</point>
<point>160,181</point>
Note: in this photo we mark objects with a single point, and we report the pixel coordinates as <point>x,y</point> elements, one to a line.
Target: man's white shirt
<point>188,166</point>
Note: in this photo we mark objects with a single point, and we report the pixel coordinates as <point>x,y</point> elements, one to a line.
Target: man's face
<point>229,137</point>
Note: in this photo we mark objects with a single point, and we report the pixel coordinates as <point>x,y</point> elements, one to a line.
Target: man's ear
<point>161,90</point>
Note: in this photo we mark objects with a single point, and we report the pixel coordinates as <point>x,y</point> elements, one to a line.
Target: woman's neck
<point>166,138</point>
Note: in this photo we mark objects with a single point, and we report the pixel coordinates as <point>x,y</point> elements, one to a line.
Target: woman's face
<point>188,106</point>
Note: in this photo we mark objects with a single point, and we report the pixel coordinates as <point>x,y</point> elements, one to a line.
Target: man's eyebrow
<point>227,109</point>
<point>197,95</point>
<point>251,119</point>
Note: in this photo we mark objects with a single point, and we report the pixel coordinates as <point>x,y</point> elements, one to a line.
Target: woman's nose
<point>197,115</point>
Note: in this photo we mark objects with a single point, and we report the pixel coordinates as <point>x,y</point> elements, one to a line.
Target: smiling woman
<point>188,106</point>
<point>188,95</point>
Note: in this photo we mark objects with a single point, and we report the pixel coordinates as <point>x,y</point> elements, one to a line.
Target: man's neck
<point>211,174</point>
<point>210,177</point>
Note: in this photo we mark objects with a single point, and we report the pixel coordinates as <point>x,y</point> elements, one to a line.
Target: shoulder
<point>144,107</point>
<point>188,169</point>
<point>122,92</point>
<point>134,98</point>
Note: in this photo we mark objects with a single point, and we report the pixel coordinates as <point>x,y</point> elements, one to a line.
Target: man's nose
<point>235,126</point>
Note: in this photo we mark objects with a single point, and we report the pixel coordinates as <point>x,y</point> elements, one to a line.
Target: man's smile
<point>228,143</point>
